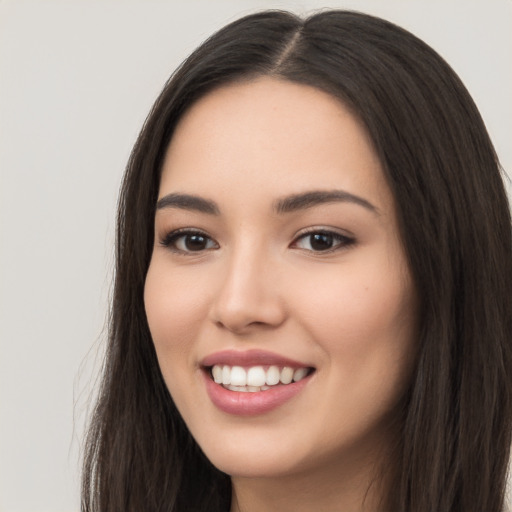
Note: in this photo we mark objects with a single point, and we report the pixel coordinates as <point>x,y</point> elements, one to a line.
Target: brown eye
<point>189,241</point>
<point>322,241</point>
<point>192,243</point>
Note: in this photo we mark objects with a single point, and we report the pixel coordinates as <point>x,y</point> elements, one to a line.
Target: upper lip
<point>250,358</point>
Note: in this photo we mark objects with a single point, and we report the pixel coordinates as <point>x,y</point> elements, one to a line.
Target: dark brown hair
<point>455,225</point>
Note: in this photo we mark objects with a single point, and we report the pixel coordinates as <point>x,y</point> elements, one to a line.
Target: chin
<point>257,465</point>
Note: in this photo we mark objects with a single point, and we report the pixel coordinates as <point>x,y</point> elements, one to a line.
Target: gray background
<point>77,79</point>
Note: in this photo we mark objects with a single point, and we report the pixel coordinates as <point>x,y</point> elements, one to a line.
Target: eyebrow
<point>317,197</point>
<point>287,204</point>
<point>188,202</point>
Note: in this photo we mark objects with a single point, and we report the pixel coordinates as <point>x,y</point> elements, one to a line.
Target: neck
<point>357,488</point>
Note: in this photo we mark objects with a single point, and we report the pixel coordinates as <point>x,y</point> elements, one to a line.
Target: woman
<point>311,307</point>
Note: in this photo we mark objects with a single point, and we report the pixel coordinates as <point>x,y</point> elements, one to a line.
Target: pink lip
<point>250,403</point>
<point>250,358</point>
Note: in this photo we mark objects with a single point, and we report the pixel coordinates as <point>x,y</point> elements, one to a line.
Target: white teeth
<point>273,375</point>
<point>217,374</point>
<point>245,389</point>
<point>299,374</point>
<point>286,375</point>
<point>255,378</point>
<point>238,376</point>
<point>226,375</point>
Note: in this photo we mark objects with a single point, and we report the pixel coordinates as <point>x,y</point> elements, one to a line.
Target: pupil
<point>321,241</point>
<point>195,242</point>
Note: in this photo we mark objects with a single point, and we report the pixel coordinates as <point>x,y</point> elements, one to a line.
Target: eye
<point>188,241</point>
<point>322,241</point>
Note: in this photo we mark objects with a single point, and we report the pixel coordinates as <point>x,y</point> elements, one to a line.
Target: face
<point>277,259</point>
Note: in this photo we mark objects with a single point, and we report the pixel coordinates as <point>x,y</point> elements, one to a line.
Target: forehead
<point>273,136</point>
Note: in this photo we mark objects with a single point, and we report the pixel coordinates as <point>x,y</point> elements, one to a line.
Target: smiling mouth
<point>256,378</point>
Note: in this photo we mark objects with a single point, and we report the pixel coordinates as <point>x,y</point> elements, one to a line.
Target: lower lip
<point>251,403</point>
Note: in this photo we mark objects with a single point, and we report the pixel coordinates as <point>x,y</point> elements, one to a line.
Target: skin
<point>257,283</point>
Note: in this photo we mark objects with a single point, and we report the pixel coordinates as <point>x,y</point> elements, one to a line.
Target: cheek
<point>173,306</point>
<point>364,321</point>
<point>344,305</point>
<point>367,331</point>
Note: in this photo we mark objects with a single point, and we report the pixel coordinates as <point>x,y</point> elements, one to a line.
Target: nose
<point>249,296</point>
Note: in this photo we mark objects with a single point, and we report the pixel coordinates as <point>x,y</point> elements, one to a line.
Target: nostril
<point>244,305</point>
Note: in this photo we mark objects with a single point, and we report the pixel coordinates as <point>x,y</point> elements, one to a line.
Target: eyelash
<point>171,238</point>
<point>341,241</point>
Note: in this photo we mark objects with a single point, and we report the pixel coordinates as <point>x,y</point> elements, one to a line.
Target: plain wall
<point>77,79</point>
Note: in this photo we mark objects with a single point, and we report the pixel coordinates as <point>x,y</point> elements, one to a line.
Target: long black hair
<point>455,226</point>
